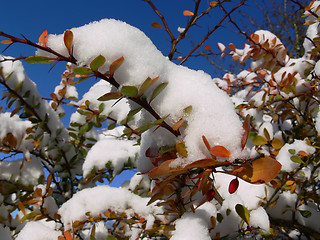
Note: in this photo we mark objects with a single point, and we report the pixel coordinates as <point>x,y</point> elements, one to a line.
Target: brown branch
<point>210,32</point>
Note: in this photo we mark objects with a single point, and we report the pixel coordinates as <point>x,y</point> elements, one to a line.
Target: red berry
<point>210,194</point>
<point>233,186</point>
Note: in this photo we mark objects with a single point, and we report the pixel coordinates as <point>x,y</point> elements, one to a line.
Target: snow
<point>259,218</point>
<point>284,156</point>
<point>213,112</point>
<point>115,150</point>
<point>98,199</point>
<point>318,123</point>
<point>29,174</point>
<point>4,233</point>
<point>39,230</point>
<point>190,227</point>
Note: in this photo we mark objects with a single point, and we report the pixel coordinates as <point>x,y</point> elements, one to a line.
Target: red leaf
<point>233,186</point>
<point>115,65</point>
<point>207,48</point>
<point>206,143</point>
<point>187,13</point>
<point>246,128</point>
<point>220,151</point>
<point>210,194</point>
<point>43,38</point>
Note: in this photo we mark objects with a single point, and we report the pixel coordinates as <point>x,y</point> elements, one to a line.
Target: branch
<point>210,32</point>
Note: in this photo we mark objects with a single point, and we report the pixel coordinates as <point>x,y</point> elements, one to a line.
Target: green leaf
<point>305,213</point>
<point>158,90</point>
<point>97,62</point>
<point>110,96</point>
<point>219,217</point>
<point>144,127</point>
<point>129,91</point>
<point>39,59</point>
<point>82,71</point>
<point>132,113</point>
<point>181,149</point>
<point>146,85</point>
<point>243,213</point>
<point>259,140</point>
<point>112,126</point>
<point>110,237</point>
<point>296,159</point>
<point>292,151</point>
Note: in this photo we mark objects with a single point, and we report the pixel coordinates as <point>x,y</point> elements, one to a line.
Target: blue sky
<point>31,17</point>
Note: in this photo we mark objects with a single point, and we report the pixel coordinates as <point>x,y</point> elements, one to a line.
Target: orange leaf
<point>165,170</point>
<point>67,235</point>
<point>177,125</point>
<point>187,13</point>
<point>213,4</point>
<point>206,163</point>
<point>206,143</point>
<point>246,128</point>
<point>43,38</point>
<point>68,40</point>
<point>260,171</point>
<point>6,41</point>
<point>220,151</point>
<point>303,153</point>
<point>115,65</point>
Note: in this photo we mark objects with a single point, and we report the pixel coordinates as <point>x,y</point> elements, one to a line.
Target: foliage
<point>273,162</point>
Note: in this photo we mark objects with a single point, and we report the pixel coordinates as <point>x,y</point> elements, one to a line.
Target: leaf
<point>207,48</point>
<point>82,71</point>
<point>220,151</point>
<point>277,143</point>
<point>156,25</point>
<point>246,128</point>
<point>115,65</point>
<point>68,40</point>
<point>67,235</point>
<point>204,139</point>
<point>243,213</point>
<point>110,96</point>
<point>262,170</point>
<point>39,59</point>
<point>259,140</point>
<point>206,163</point>
<point>43,38</point>
<point>181,149</point>
<point>10,140</point>
<point>233,186</point>
<point>165,170</point>
<point>158,90</point>
<point>232,47</point>
<point>213,4</point>
<point>187,13</point>
<point>129,91</point>
<point>296,159</point>
<point>178,124</point>
<point>266,134</point>
<point>97,62</point>
<point>305,213</point>
<point>146,85</point>
<point>6,41</point>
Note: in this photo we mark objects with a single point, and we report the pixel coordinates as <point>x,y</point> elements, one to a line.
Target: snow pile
<point>115,151</point>
<point>39,230</point>
<point>21,171</point>
<point>98,199</point>
<point>212,113</point>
